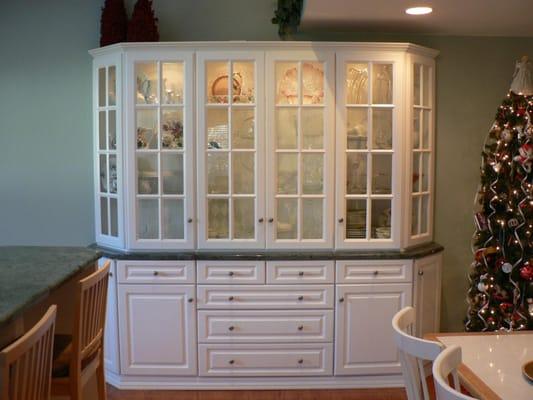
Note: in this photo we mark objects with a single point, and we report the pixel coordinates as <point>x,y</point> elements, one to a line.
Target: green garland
<point>287,16</point>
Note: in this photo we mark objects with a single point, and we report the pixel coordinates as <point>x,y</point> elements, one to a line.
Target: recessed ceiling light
<point>418,10</point>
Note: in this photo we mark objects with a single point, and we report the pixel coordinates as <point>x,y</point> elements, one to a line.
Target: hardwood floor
<point>356,394</point>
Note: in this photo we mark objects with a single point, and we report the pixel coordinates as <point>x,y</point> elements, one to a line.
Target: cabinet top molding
<point>269,45</point>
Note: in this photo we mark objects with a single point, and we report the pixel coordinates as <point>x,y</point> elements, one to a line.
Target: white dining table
<point>492,363</point>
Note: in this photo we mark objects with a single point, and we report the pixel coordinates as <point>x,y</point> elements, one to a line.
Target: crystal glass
<point>426,116</point>
<point>416,128</point>
<point>113,212</point>
<point>242,128</point>
<point>113,179</point>
<point>172,86</point>
<point>355,218</point>
<point>104,226</point>
<point>313,82</point>
<point>147,82</point>
<point>287,176</point>
<point>356,128</point>
<point>112,131</point>
<point>243,169</point>
<point>424,214</point>
<point>217,128</point>
<point>101,87</point>
<point>173,219</point>
<point>416,172</point>
<point>414,215</point>
<point>425,86</point>
<point>147,176</point>
<point>287,128</point>
<point>217,218</point>
<point>172,128</point>
<point>381,173</point>
<point>102,130</point>
<point>381,219</point>
<point>312,173</point>
<point>112,86</point>
<point>356,83</point>
<point>103,173</point>
<point>382,84</point>
<point>312,218</point>
<point>217,173</point>
<point>287,218</point>
<point>243,88</point>
<point>416,84</point>
<point>287,83</point>
<point>382,128</point>
<point>356,173</point>
<point>147,128</point>
<point>244,218</point>
<point>148,219</point>
<point>312,128</point>
<point>172,173</point>
<point>218,82</point>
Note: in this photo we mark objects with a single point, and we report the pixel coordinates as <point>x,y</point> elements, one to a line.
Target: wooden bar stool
<point>26,364</point>
<point>80,356</point>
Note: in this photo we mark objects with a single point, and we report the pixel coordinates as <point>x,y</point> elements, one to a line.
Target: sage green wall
<point>45,115</point>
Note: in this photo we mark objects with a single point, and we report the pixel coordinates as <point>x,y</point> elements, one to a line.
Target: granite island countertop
<point>29,273</point>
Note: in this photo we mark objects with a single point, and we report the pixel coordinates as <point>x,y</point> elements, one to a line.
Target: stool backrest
<point>91,302</point>
<point>26,364</point>
<point>413,352</point>
<point>445,365</point>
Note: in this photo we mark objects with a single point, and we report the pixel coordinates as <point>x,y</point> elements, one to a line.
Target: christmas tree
<point>143,24</point>
<point>114,23</point>
<point>501,276</point>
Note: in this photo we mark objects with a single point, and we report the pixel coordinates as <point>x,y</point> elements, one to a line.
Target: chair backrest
<point>26,364</point>
<point>445,364</point>
<point>91,302</point>
<point>413,352</point>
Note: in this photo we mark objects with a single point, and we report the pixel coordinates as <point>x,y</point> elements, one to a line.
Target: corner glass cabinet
<point>264,145</point>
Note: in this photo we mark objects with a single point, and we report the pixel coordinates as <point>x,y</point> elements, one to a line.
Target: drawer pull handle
<point>341,300</point>
<point>341,220</point>
<point>231,298</point>
<point>231,362</point>
<point>301,328</point>
<point>190,300</point>
<point>420,273</point>
<point>271,220</point>
<point>156,273</point>
<point>301,273</point>
<point>189,220</point>
<point>231,328</point>
<point>300,361</point>
<point>260,220</point>
<point>231,273</point>
<point>300,298</point>
<point>376,273</point>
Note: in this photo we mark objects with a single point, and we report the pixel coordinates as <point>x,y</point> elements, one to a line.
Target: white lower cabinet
<point>157,329</point>
<point>427,291</point>
<point>364,342</point>
<point>111,345</point>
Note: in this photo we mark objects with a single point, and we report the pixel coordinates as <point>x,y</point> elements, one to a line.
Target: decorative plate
<point>527,370</point>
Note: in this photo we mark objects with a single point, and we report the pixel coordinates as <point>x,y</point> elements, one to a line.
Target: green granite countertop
<point>29,273</point>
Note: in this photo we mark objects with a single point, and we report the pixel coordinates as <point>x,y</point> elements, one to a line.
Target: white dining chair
<point>413,352</point>
<point>445,365</point>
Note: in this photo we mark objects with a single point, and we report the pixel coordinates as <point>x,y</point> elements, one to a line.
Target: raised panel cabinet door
<point>364,343</point>
<point>157,329</point>
<point>427,294</point>
<point>111,346</point>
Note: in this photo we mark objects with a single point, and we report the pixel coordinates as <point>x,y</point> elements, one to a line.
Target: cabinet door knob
<point>301,328</point>
<point>341,220</point>
<point>420,273</point>
<point>231,273</point>
<point>300,298</point>
<point>271,220</point>
<point>110,274</point>
<point>231,298</point>
<point>341,300</point>
<point>189,220</point>
<point>260,220</point>
<point>231,328</point>
<point>231,362</point>
<point>376,273</point>
<point>300,361</point>
<point>156,273</point>
<point>301,273</point>
<point>190,300</point>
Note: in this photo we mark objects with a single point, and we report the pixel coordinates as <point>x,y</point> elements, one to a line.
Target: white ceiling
<point>449,17</point>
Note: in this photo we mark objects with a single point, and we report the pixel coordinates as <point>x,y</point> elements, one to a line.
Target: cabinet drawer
<point>385,271</point>
<point>265,297</point>
<point>281,326</point>
<point>300,272</point>
<point>265,359</point>
<point>155,271</point>
<point>229,272</point>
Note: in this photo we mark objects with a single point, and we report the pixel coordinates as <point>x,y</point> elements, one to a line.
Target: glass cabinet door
<point>161,135</point>
<point>421,139</point>
<point>299,162</point>
<point>108,155</point>
<point>366,143</point>
<point>230,145</point>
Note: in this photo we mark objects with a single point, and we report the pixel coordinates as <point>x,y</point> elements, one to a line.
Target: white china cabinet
<point>268,207</point>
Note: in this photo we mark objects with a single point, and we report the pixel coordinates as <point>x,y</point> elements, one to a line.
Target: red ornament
<point>526,271</point>
<point>113,23</point>
<point>143,23</point>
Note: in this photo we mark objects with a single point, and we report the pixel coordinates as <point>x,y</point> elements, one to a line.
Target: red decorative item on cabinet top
<point>114,23</point>
<point>143,24</point>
